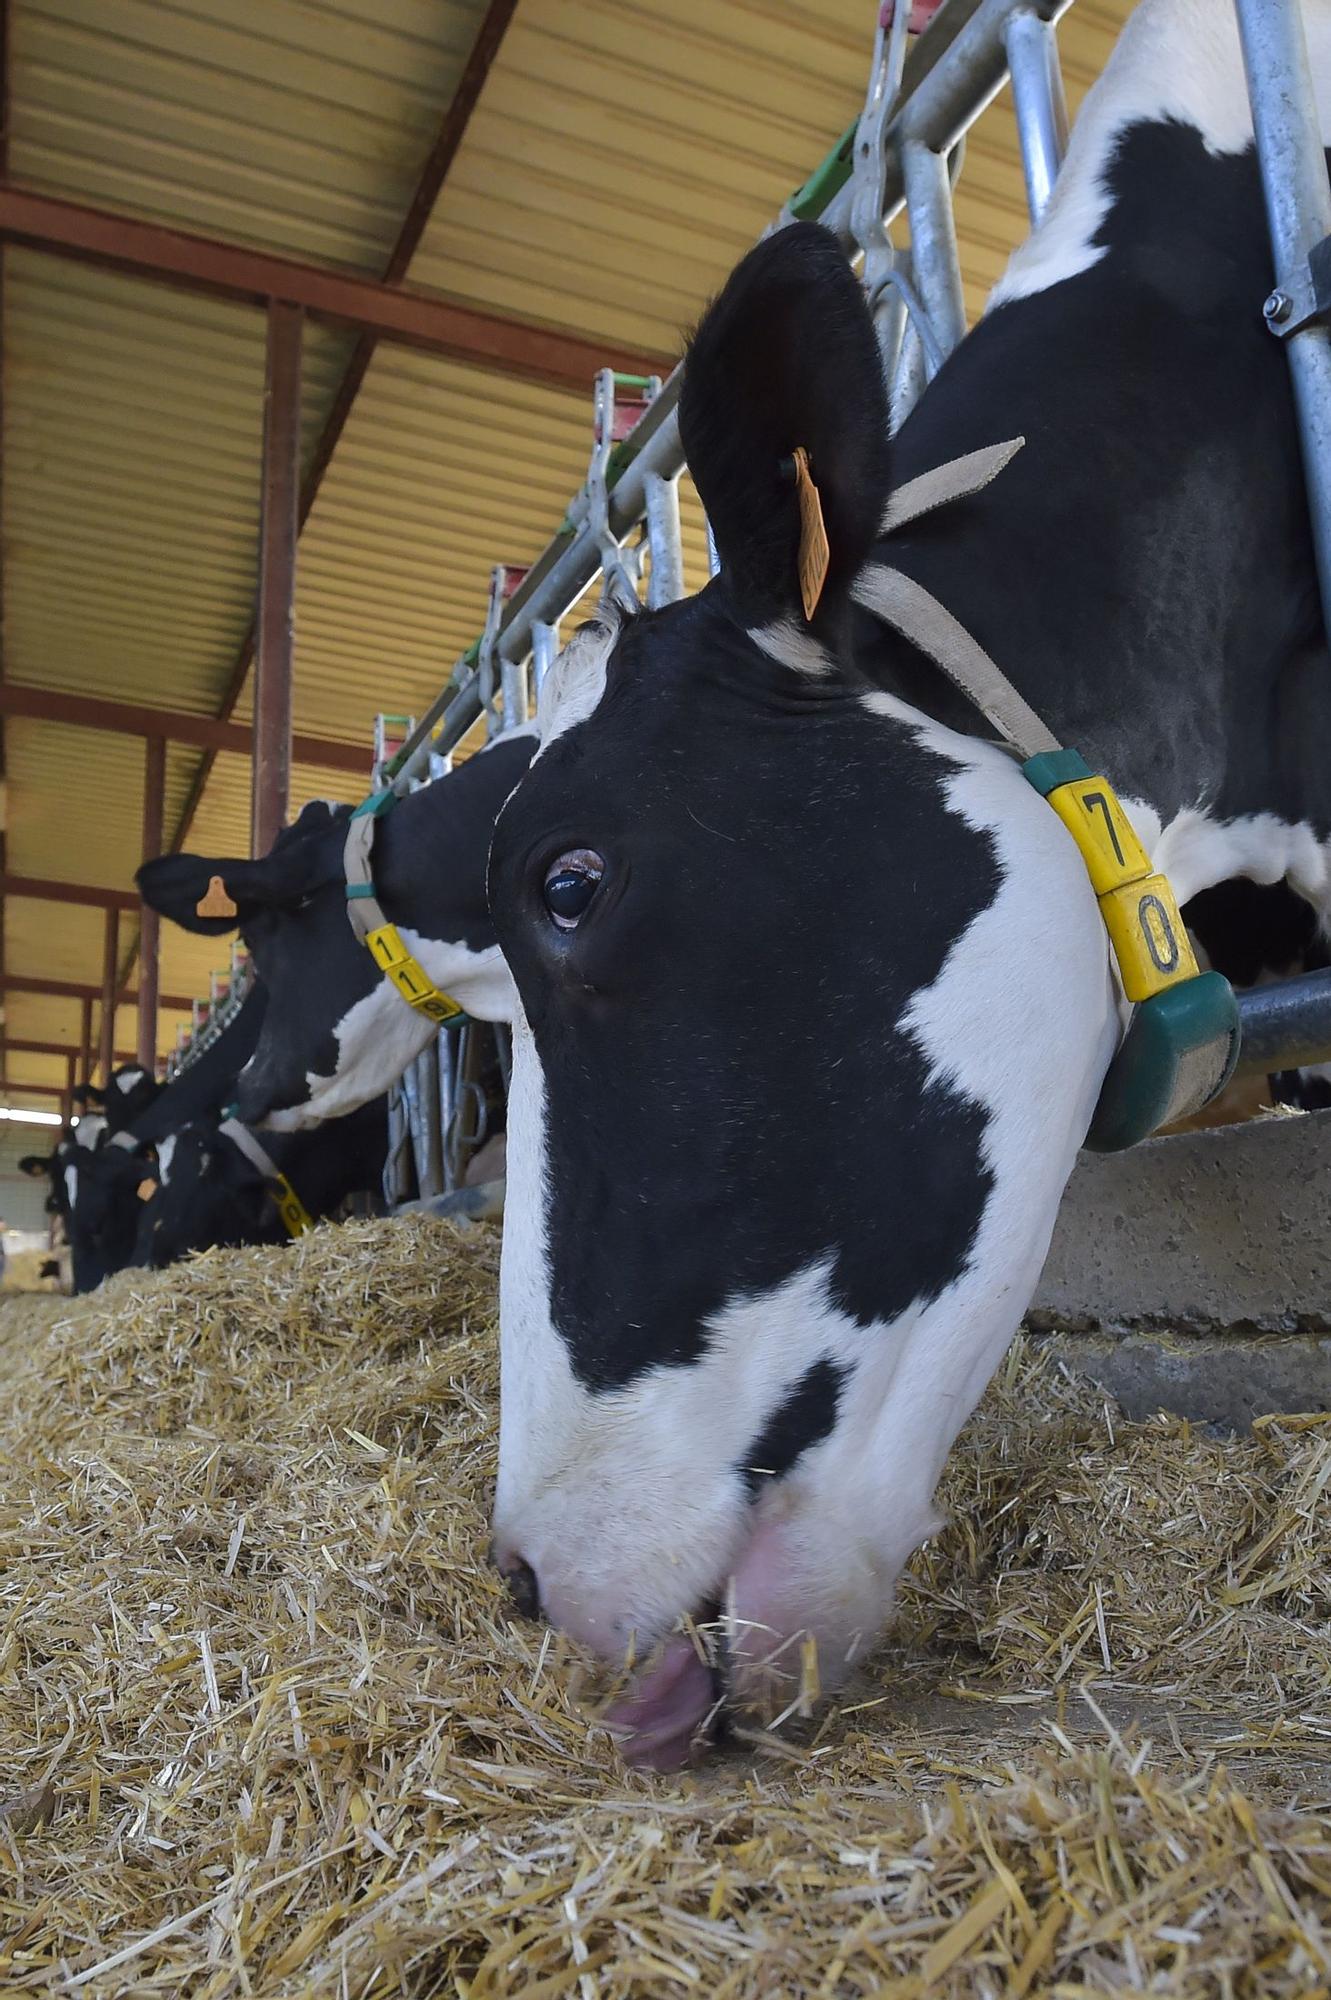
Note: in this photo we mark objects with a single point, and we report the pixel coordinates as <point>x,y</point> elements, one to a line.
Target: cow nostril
<point>522,1587</point>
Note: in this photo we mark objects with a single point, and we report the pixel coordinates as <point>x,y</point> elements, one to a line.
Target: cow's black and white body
<point>108,1159</point>
<point>213,1192</point>
<point>337,1033</point>
<point>816,1000</point>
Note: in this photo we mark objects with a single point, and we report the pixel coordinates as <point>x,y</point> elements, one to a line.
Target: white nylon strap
<point>956,480</point>
<point>245,1142</point>
<point>916,613</point>
<point>365,912</point>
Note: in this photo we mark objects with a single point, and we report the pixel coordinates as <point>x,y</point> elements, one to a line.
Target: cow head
<point>101,1205</point>
<point>337,1034</point>
<point>129,1092</point>
<point>208,1194</point>
<point>814,1006</point>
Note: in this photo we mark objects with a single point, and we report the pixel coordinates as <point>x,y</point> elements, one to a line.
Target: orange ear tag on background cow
<point>815,555</point>
<point>146,1190</point>
<point>215,902</point>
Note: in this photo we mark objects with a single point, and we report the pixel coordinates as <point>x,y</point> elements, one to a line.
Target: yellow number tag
<point>1148,936</point>
<point>409,976</point>
<point>296,1218</point>
<point>1102,830</point>
<point>1138,907</point>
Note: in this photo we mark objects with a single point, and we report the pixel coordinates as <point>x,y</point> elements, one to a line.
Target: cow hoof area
<point>268,1725</point>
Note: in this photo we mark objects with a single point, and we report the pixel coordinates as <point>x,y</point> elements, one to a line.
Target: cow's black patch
<point>1142,570</point>
<point>801,1419</point>
<point>731,1095</point>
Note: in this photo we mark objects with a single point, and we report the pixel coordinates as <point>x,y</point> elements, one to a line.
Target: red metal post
<point>150,927</point>
<point>67,1101</point>
<point>271,779</point>
<point>109,970</point>
<point>85,1040</point>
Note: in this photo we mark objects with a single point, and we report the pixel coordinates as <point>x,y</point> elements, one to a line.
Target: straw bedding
<point>267,1729</point>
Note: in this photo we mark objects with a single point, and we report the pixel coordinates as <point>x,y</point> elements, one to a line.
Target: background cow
<point>213,1193</point>
<point>104,1165</point>
<point>337,1033</point>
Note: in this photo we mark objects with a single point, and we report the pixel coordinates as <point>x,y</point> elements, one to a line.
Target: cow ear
<point>176,885</point>
<point>785,368</point>
<point>195,891</point>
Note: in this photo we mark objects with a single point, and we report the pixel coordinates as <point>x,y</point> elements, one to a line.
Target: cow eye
<point>570,884</point>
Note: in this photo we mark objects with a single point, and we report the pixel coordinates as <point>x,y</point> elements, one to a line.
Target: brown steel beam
<point>43,890</point>
<point>233,270</point>
<point>270,781</point>
<point>124,718</point>
<point>77,989</point>
<point>109,982</point>
<point>36,1089</point>
<point>440,158</point>
<point>150,924</point>
<point>67,1094</point>
<point>26,1048</point>
<point>85,1034</point>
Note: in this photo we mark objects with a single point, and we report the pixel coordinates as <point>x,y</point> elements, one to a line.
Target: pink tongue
<point>658,1717</point>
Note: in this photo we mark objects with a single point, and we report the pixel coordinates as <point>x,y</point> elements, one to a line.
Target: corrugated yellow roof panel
<point>620,159</point>
<point>298,125</point>
<point>133,428</point>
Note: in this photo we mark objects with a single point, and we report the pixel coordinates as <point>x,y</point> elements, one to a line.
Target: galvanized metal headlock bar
<point>499,677</point>
<point>296,1218</point>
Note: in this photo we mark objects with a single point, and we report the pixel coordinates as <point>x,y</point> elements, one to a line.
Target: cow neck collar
<point>1181,1043</point>
<point>296,1218</point>
<point>372,928</point>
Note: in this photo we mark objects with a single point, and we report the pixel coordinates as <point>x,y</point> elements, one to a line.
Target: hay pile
<point>266,1728</point>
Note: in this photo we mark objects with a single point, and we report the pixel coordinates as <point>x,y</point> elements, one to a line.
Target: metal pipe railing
<point>1286,1025</point>
<point>945,88</point>
<point>1298,212</point>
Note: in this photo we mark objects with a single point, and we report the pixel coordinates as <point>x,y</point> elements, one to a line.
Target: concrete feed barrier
<point>1194,1273</point>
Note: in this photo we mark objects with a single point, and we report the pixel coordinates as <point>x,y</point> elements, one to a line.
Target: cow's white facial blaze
<point>630,1504</point>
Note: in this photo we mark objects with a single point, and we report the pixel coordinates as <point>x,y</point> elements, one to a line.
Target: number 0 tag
<point>1148,936</point>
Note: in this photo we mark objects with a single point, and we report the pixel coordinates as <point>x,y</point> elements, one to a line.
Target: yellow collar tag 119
<point>408,975</point>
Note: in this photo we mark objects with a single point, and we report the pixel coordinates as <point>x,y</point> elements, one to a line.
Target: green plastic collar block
<point>1178,1054</point>
<point>827,179</point>
<point>376,805</point>
<point>1052,768</point>
<point>359,891</point>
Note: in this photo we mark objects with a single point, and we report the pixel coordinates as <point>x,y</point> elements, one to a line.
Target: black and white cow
<point>815,996</point>
<point>213,1193</point>
<point>337,1033</point>
<point>128,1094</point>
<point>105,1162</point>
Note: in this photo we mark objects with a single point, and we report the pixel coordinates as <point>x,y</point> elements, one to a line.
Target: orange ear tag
<point>146,1190</point>
<point>215,902</point>
<point>815,555</point>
